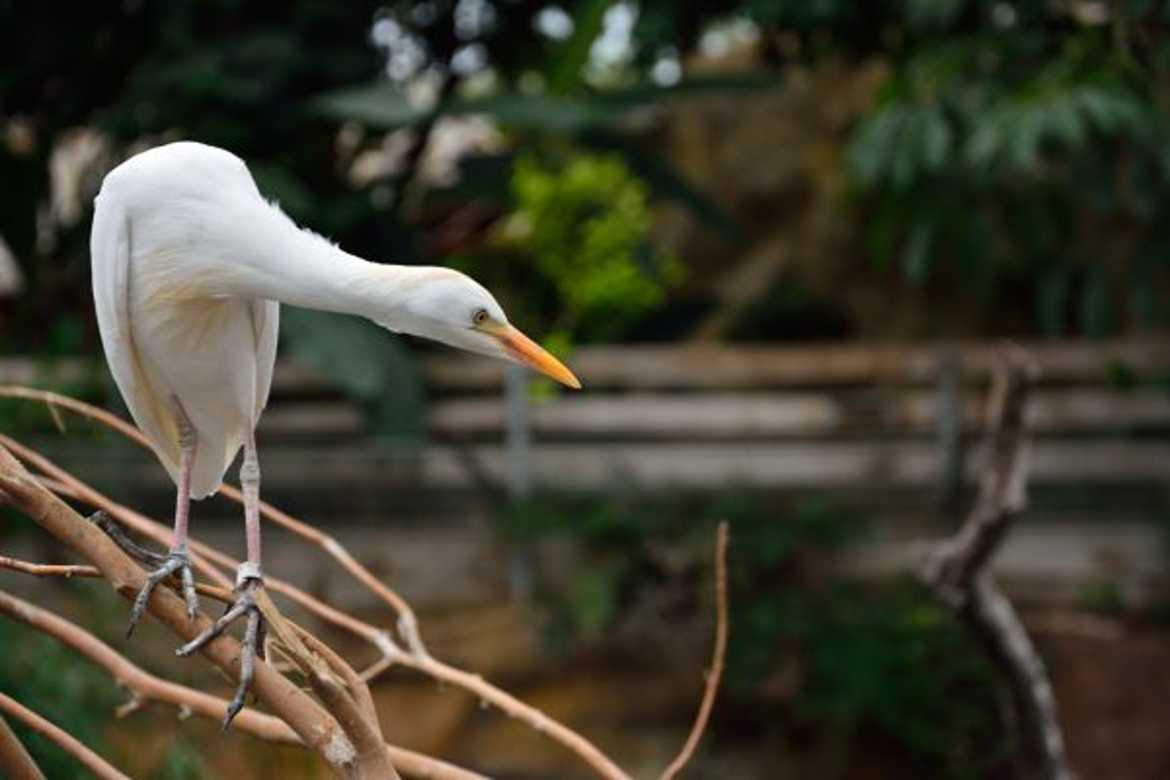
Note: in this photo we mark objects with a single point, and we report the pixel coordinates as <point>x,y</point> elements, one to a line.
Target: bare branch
<point>316,727</point>
<point>957,573</point>
<point>357,686</point>
<point>66,741</point>
<point>15,762</point>
<point>204,558</point>
<point>417,658</point>
<point>1002,496</point>
<point>407,621</point>
<point>145,687</point>
<point>514,708</point>
<point>715,673</point>
<point>360,722</point>
<point>142,684</point>
<point>47,569</point>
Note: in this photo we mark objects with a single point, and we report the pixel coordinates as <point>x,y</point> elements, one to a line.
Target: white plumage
<point>190,265</point>
<point>157,252</point>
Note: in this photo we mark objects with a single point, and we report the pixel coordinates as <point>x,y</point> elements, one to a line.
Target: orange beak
<point>531,354</point>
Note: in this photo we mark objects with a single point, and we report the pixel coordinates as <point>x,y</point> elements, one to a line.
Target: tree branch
<point>47,569</point>
<point>414,657</point>
<point>66,741</point>
<point>715,673</point>
<point>15,762</point>
<point>407,622</point>
<point>145,687</point>
<point>204,558</point>
<point>359,722</point>
<point>957,573</point>
<point>316,727</point>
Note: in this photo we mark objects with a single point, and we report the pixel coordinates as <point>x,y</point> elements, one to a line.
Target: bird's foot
<point>175,562</point>
<point>248,581</point>
<point>132,548</point>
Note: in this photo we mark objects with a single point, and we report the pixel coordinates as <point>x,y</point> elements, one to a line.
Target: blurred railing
<point>885,428</point>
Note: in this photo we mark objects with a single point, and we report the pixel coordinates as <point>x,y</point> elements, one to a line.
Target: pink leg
<point>187,445</point>
<point>177,562</point>
<point>250,485</point>
<point>248,579</point>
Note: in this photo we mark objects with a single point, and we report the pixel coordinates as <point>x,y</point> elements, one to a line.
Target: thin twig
<point>423,663</point>
<point>407,621</point>
<point>146,687</point>
<point>66,741</point>
<point>48,569</point>
<point>315,726</point>
<point>715,673</point>
<point>203,555</point>
<point>514,708</point>
<point>15,762</point>
<point>356,685</point>
<point>958,573</point>
<point>360,723</point>
<point>417,658</point>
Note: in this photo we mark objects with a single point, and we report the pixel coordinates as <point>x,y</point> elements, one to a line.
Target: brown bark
<point>957,571</point>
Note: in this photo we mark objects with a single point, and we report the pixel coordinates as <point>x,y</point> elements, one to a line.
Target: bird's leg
<point>248,580</point>
<point>177,561</point>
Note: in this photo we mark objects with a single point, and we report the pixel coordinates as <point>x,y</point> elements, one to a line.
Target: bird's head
<point>446,306</point>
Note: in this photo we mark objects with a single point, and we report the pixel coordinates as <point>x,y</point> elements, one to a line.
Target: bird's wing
<point>265,326</point>
<point>110,251</point>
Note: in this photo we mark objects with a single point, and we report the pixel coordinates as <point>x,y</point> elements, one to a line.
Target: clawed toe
<point>251,648</point>
<point>174,563</point>
<point>248,580</point>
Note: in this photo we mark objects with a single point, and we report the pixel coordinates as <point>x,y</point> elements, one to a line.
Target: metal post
<point>949,439</point>
<point>519,439</point>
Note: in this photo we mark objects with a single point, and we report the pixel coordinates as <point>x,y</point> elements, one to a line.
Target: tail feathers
<point>213,456</point>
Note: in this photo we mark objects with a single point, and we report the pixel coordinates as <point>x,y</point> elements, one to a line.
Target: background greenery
<point>1014,149</point>
<point>1012,156</point>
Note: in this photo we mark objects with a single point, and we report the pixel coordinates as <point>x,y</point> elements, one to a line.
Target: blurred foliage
<point>580,223</point>
<point>224,73</point>
<point>1104,596</point>
<point>50,680</point>
<point>1014,149</point>
<point>586,223</point>
<point>1018,143</point>
<point>84,381</point>
<point>1023,143</point>
<point>274,84</point>
<point>809,649</point>
<point>788,311</point>
<point>78,696</point>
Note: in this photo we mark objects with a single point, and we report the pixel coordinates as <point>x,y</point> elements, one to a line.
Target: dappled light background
<point>777,241</point>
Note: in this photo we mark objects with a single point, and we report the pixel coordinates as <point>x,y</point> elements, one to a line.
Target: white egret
<point>190,265</point>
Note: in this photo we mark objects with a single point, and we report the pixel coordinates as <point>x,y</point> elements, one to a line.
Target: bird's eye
<point>480,316</point>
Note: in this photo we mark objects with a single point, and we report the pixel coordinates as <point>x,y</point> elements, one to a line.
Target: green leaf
<point>665,181</point>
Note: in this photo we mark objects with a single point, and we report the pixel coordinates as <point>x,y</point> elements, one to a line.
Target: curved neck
<point>282,262</point>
